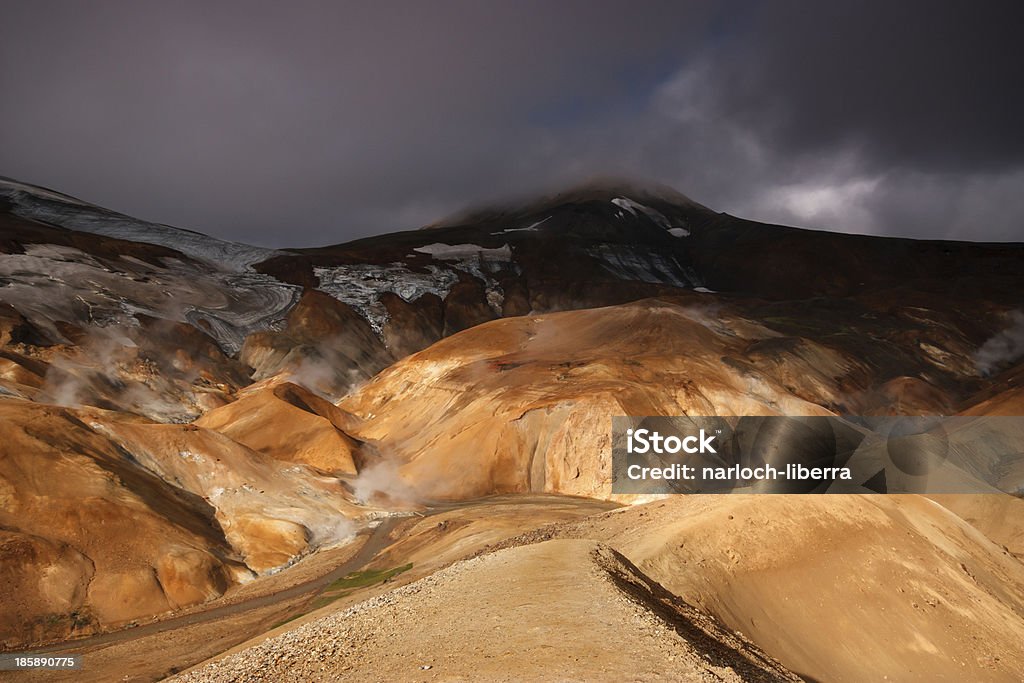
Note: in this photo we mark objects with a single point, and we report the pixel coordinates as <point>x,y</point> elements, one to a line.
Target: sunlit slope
<point>525,403</point>
<point>840,588</point>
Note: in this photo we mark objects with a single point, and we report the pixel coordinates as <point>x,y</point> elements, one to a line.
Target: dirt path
<point>561,610</point>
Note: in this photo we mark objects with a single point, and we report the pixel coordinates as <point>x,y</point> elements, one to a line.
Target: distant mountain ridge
<point>48,206</point>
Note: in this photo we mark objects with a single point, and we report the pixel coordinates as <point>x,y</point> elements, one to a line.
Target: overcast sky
<point>304,123</point>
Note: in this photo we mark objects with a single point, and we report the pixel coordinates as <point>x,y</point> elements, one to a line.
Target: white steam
<point>326,377</point>
<point>329,530</point>
<point>105,370</point>
<point>71,379</point>
<point>1003,348</point>
<point>383,479</point>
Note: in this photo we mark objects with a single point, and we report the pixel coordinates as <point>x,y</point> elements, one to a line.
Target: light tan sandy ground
<point>1000,518</point>
<point>556,611</point>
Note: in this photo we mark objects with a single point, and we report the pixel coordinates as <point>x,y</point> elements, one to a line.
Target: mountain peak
<point>611,187</point>
<point>596,188</point>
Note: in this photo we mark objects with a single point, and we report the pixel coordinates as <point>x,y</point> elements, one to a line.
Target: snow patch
<point>50,282</point>
<point>360,285</point>
<point>480,262</point>
<point>533,227</point>
<point>456,252</point>
<point>627,204</point>
<point>636,208</point>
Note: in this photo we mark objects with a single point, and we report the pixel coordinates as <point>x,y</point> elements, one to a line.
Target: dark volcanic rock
<point>16,329</point>
<point>326,345</point>
<point>412,325</point>
<point>291,269</point>
<point>466,306</point>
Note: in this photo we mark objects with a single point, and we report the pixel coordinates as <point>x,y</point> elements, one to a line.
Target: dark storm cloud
<point>306,123</point>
